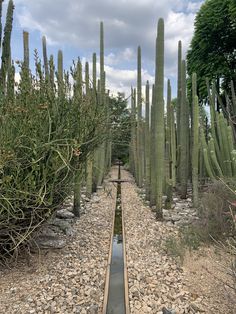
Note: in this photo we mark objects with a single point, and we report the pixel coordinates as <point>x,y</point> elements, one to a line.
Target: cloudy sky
<point>73,26</point>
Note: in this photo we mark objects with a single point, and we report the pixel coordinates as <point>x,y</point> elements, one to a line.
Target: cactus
<point>52,72</point>
<point>96,101</point>
<point>102,149</point>
<point>168,148</point>
<point>139,124</point>
<point>133,134</point>
<point>147,143</point>
<point>173,146</point>
<point>45,57</point>
<point>159,103</point>
<point>6,45</point>
<point>26,49</point>
<point>89,165</point>
<point>206,158</point>
<point>195,146</point>
<point>77,100</point>
<point>183,140</point>
<point>1,1</point>
<point>226,148</point>
<point>152,197</point>
<point>60,74</point>
<point>213,156</point>
<point>178,107</point>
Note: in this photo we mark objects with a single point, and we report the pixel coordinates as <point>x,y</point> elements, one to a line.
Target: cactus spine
<point>159,102</point>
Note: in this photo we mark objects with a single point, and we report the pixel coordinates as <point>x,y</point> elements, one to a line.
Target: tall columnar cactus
<point>1,1</point>
<point>95,101</point>
<point>89,165</point>
<point>173,145</point>
<point>213,158</point>
<point>102,150</point>
<point>178,107</point>
<point>207,161</point>
<point>183,138</point>
<point>136,133</point>
<point>52,72</point>
<point>26,49</point>
<point>6,45</point>
<point>133,157</point>
<point>226,148</point>
<point>147,143</point>
<point>153,178</point>
<point>45,57</point>
<point>195,146</point>
<point>168,148</point>
<point>77,100</point>
<point>211,97</point>
<point>159,103</point>
<point>60,73</point>
<point>139,125</point>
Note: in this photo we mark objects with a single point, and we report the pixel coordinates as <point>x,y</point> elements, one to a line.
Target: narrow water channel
<point>116,294</point>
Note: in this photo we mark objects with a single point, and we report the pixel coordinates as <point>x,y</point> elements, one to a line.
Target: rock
<point>167,311</point>
<point>196,308</point>
<point>64,225</point>
<point>47,242</point>
<point>93,309</point>
<point>65,214</point>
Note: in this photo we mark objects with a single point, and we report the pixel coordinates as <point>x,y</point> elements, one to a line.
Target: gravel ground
<point>70,280</point>
<point>157,281</point>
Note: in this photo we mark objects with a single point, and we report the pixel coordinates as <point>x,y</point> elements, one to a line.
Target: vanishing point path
<point>76,279</point>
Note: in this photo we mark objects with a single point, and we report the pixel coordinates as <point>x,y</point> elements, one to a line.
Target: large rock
<point>50,242</point>
<point>65,214</point>
<point>64,225</point>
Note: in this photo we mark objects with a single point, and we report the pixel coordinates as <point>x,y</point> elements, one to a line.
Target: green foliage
<point>46,136</point>
<point>212,50</point>
<point>120,121</point>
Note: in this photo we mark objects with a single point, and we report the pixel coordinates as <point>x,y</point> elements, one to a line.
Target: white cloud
<point>127,23</point>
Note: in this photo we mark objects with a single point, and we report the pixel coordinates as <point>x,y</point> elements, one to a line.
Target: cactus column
<point>89,164</point>
<point>147,143</point>
<point>101,163</point>
<point>139,126</point>
<point>183,140</point>
<point>153,151</point>
<point>195,146</point>
<point>159,103</point>
<point>178,107</point>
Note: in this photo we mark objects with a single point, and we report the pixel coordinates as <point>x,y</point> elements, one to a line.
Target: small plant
<point>174,247</point>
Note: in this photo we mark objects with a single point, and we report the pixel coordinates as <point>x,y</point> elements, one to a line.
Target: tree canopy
<point>120,128</point>
<point>212,52</point>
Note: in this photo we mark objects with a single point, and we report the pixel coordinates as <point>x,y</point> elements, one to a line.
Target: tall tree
<point>212,50</point>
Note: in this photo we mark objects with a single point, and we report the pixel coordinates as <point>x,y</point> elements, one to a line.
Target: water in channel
<point>116,294</point>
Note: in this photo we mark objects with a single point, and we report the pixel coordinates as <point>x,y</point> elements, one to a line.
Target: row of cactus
<point>178,148</point>
<point>52,126</point>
